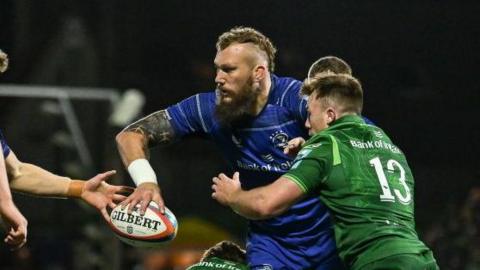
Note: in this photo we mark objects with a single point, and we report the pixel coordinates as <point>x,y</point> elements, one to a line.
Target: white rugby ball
<point>150,230</point>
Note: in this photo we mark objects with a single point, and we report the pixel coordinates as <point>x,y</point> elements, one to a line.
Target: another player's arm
<point>259,203</point>
<point>3,61</point>
<point>310,167</point>
<point>33,180</point>
<point>133,144</point>
<point>15,222</point>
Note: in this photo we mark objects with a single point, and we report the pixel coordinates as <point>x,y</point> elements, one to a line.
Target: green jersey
<point>365,181</point>
<point>215,263</point>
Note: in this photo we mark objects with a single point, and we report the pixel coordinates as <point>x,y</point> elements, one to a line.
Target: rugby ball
<point>150,230</point>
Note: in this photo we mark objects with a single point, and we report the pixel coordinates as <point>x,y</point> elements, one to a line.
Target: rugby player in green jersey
<point>362,177</point>
<point>224,255</point>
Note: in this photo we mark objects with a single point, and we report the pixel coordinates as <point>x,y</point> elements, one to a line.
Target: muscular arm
<point>259,203</point>
<point>134,140</point>
<point>133,143</point>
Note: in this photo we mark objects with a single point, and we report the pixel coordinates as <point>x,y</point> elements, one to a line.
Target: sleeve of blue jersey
<point>192,115</point>
<point>5,148</point>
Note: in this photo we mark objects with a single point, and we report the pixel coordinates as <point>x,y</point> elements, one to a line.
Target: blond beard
<point>241,106</point>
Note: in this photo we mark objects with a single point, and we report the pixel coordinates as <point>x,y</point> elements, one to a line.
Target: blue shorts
<point>266,252</point>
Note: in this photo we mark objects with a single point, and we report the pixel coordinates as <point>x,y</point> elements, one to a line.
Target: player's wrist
<point>142,172</point>
<point>75,188</point>
<point>6,203</point>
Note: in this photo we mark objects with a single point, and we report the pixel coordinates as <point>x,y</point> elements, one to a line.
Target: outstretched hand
<point>294,146</point>
<point>100,194</point>
<point>3,61</point>
<point>16,225</point>
<point>143,195</point>
<point>225,188</point>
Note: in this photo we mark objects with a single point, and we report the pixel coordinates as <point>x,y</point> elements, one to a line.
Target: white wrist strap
<point>141,172</point>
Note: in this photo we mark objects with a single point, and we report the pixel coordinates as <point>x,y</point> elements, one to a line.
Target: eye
<point>228,69</point>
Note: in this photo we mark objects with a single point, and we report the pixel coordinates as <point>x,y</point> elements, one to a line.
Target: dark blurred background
<point>417,60</point>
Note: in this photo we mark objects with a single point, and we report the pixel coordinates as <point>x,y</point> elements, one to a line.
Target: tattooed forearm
<point>155,127</point>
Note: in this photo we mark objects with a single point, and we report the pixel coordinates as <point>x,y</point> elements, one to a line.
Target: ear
<point>259,72</point>
<point>331,115</point>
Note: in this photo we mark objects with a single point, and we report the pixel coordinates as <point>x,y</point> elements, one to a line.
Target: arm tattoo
<point>155,127</point>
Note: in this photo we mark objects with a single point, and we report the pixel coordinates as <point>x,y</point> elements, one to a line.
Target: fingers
<point>125,190</point>
<point>214,188</point>
<point>105,214</point>
<point>104,176</point>
<point>143,206</point>
<point>127,201</point>
<point>137,199</point>
<point>287,149</point>
<point>161,204</point>
<point>17,238</point>
<point>133,203</point>
<point>222,176</point>
<point>118,198</point>
<point>236,176</point>
<point>112,205</point>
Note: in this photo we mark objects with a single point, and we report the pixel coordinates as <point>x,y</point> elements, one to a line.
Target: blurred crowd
<point>455,235</point>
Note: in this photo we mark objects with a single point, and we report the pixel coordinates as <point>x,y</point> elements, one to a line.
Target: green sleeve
<point>313,164</point>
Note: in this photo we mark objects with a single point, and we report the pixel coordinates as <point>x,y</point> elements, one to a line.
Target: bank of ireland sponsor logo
<point>265,267</point>
<point>279,139</point>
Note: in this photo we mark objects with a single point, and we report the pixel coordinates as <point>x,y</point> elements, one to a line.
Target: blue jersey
<point>5,148</point>
<point>255,149</point>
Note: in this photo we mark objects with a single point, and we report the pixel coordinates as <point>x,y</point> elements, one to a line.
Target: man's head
<point>331,96</point>
<point>329,63</point>
<point>243,62</point>
<point>226,250</point>
<point>3,61</point>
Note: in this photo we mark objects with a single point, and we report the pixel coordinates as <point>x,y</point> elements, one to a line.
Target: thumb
<point>236,176</point>
<point>104,176</point>
<point>101,177</point>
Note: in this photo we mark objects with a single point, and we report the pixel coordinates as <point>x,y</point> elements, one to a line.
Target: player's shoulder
<point>285,85</point>
<point>323,138</point>
<point>207,96</point>
<point>203,101</point>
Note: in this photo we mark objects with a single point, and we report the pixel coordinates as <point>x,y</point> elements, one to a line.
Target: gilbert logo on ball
<point>150,230</point>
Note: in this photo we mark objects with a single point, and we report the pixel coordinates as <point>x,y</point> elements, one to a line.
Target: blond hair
<point>241,34</point>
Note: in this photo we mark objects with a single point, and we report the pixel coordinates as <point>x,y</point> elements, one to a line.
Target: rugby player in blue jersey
<point>31,179</point>
<point>251,115</point>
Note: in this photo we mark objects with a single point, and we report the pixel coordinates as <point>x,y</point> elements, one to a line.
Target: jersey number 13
<point>404,196</point>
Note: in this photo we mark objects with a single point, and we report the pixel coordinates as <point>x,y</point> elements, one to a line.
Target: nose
<point>219,78</point>
<point>307,124</point>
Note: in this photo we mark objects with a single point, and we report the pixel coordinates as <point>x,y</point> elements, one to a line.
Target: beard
<point>240,107</point>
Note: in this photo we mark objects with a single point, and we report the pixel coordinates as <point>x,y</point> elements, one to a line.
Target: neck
<point>262,99</point>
